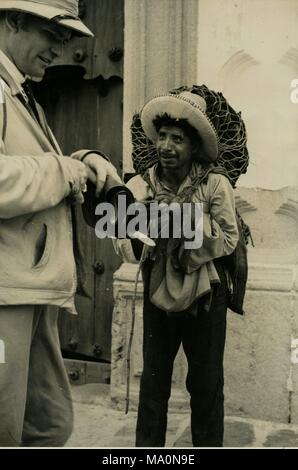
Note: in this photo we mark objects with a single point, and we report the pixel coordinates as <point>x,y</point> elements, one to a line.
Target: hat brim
<point>179,108</point>
<point>77,26</point>
<point>47,12</point>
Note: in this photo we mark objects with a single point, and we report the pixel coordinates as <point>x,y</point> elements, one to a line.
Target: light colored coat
<point>36,245</point>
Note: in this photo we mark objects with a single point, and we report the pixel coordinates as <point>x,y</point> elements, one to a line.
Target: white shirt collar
<point>11,68</point>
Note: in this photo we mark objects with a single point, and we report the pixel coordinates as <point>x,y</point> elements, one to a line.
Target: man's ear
<point>14,21</point>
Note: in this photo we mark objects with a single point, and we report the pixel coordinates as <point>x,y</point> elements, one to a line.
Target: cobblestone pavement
<point>98,424</point>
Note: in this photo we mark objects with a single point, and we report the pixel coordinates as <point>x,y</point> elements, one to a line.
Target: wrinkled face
<point>36,45</point>
<point>174,148</point>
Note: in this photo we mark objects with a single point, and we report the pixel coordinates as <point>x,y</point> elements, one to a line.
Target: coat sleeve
<point>33,183</point>
<point>220,232</point>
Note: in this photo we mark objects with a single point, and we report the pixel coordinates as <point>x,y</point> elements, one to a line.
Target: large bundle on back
<point>233,153</point>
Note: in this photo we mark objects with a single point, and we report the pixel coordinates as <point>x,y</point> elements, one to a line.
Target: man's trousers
<point>203,340</point>
<point>35,398</point>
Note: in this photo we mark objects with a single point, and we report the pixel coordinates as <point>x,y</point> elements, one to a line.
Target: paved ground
<point>97,424</point>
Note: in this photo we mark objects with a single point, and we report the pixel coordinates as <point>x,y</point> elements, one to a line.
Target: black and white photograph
<point>148,227</point>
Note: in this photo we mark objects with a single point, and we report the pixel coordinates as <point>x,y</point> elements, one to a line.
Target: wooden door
<point>82,96</point>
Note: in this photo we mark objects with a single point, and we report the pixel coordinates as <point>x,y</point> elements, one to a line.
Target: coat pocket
<point>42,248</point>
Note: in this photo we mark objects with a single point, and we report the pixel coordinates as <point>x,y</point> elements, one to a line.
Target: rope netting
<point>233,153</point>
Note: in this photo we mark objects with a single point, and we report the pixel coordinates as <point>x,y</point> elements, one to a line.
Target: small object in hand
<point>143,238</point>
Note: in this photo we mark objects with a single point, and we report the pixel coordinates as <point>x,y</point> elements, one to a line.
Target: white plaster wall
<point>248,49</point>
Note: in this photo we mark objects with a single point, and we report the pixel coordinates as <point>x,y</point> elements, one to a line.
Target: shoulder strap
<point>147,179</point>
<point>3,114</point>
<point>186,195</point>
<point>188,192</point>
<point>3,121</point>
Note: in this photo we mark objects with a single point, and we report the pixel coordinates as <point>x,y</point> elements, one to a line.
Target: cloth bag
<point>173,290</point>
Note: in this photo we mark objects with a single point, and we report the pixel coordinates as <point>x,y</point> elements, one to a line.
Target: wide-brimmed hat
<point>185,105</point>
<point>64,12</point>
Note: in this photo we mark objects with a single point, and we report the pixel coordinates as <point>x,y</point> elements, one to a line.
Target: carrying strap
<point>187,193</point>
<point>3,113</point>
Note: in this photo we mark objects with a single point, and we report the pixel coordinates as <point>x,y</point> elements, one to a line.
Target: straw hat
<point>185,105</point>
<point>64,12</point>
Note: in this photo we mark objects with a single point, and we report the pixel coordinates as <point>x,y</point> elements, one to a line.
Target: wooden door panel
<point>101,55</point>
<point>82,96</point>
<point>82,118</point>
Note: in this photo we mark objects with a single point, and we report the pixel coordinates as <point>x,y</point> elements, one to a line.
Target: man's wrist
<point>83,153</point>
<point>101,154</point>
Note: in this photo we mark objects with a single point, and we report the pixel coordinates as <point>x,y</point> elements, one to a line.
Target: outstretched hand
<point>98,170</point>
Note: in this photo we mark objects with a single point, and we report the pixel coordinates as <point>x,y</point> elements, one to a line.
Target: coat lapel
<point>41,130</point>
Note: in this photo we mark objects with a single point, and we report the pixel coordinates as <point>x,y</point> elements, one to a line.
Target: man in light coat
<point>37,187</point>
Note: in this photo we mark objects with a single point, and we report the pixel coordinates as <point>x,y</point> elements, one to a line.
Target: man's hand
<point>98,170</point>
<point>77,175</point>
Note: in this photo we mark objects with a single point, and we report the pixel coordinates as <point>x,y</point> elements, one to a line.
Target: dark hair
<point>167,120</point>
<point>23,17</point>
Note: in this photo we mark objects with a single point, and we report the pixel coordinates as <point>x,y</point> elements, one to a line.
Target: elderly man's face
<point>174,148</point>
<point>35,46</point>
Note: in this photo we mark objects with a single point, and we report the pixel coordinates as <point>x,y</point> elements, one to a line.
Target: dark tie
<point>31,100</point>
<point>32,108</point>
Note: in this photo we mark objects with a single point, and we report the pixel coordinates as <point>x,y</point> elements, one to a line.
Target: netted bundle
<point>233,153</point>
<point>144,153</point>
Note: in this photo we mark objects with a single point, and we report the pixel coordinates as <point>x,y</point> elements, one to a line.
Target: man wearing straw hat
<point>185,289</point>
<point>38,185</point>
